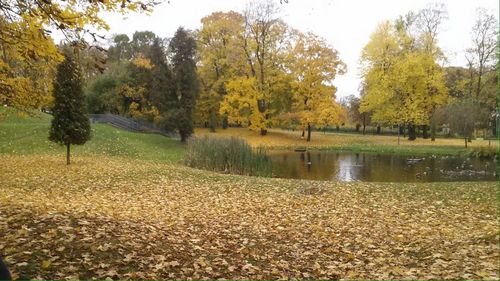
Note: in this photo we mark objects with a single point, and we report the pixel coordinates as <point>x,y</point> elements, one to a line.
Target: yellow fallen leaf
<point>46,264</point>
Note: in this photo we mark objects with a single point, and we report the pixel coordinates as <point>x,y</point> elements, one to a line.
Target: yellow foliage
<point>29,55</point>
<point>142,62</point>
<point>139,106</point>
<point>315,66</point>
<point>241,103</point>
<point>402,83</point>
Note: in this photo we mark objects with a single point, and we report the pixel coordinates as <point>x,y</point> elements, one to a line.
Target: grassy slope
<point>29,135</point>
<point>281,139</point>
<point>121,217</point>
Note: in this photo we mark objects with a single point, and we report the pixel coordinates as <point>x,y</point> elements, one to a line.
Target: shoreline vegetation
<point>230,155</point>
<point>278,139</point>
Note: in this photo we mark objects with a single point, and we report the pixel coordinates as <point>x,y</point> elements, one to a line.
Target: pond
<point>375,167</point>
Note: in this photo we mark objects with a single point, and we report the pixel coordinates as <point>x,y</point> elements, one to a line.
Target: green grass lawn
<point>115,214</point>
<point>29,135</point>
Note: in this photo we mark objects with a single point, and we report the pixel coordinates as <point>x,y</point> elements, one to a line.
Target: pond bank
<point>289,140</point>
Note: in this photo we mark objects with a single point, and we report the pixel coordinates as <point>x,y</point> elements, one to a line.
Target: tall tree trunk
<point>478,89</point>
<point>67,153</point>
<point>379,129</point>
<point>308,132</point>
<point>465,139</point>
<point>401,129</point>
<point>424,131</point>
<point>303,133</point>
<point>433,131</point>
<point>494,123</point>
<point>399,132</point>
<point>262,108</point>
<point>213,121</point>
<point>412,133</point>
<point>364,124</point>
<point>225,122</point>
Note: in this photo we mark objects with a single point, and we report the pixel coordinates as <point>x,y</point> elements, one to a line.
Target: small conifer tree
<point>70,124</point>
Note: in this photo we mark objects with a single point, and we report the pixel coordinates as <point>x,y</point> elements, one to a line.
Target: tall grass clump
<point>228,155</point>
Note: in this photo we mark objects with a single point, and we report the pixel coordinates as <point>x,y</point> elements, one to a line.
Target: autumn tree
<point>263,43</point>
<point>428,23</point>
<point>221,58</point>
<point>186,86</point>
<point>462,115</point>
<point>399,88</point>
<point>315,67</point>
<point>243,74</point>
<point>29,56</point>
<point>354,116</point>
<point>482,53</point>
<point>379,58</point>
<point>482,58</point>
<point>70,125</point>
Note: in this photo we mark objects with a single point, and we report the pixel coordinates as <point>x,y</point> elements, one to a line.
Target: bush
<point>227,155</point>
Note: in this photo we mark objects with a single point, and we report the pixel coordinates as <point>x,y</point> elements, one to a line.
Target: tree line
<point>251,69</point>
<point>255,71</point>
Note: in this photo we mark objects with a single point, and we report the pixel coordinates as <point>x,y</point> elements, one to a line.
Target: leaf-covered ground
<point>128,219</point>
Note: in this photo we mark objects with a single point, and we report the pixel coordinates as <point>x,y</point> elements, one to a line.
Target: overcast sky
<point>345,24</point>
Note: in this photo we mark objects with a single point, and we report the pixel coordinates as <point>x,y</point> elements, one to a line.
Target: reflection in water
<point>344,166</point>
<point>309,163</point>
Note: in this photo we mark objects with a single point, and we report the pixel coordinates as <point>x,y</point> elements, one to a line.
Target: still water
<point>374,167</point>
